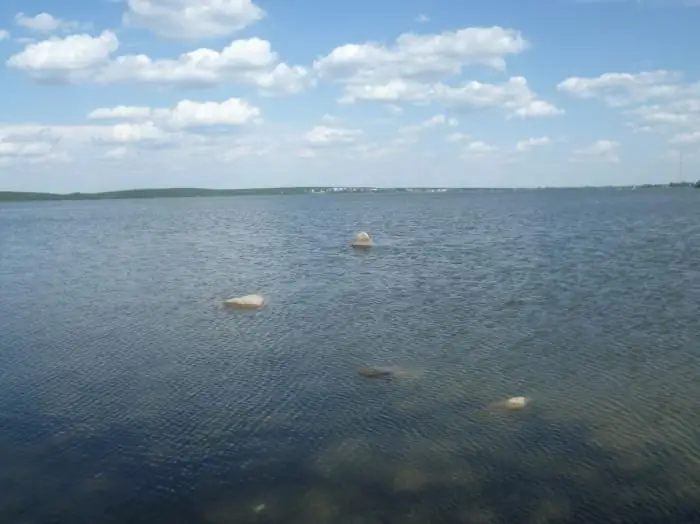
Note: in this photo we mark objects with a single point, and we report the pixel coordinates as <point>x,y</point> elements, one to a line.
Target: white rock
<point>362,239</point>
<point>246,302</point>
<point>516,402</point>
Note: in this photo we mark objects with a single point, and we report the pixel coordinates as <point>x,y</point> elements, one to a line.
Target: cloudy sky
<point>113,94</point>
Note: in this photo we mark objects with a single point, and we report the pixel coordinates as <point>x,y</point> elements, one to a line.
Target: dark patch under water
<point>128,394</point>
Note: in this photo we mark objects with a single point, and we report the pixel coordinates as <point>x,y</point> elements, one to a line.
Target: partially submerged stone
<point>375,372</point>
<point>246,302</point>
<point>362,239</point>
<point>515,403</point>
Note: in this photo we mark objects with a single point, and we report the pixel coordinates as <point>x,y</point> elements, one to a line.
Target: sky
<point>100,95</point>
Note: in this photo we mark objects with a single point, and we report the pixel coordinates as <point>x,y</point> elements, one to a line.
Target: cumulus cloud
<point>133,133</point>
<point>687,138</point>
<point>415,68</point>
<point>4,35</point>
<point>69,59</point>
<point>186,114</point>
<point>147,147</point>
<point>526,145</point>
<point>120,113</point>
<point>306,153</point>
<point>430,123</point>
<point>8,148</point>
<point>192,19</point>
<point>421,57</point>
<point>117,152</point>
<point>514,96</point>
<point>457,137</point>
<point>656,100</point>
<point>232,112</point>
<point>325,136</point>
<point>606,150</point>
<point>329,119</point>
<point>618,89</point>
<point>182,125</point>
<point>45,23</point>
<point>479,149</point>
<point>29,144</point>
<point>83,58</point>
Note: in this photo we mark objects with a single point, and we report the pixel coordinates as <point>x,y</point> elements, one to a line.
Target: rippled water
<point>128,394</point>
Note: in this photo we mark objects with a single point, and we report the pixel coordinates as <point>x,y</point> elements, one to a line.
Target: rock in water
<point>516,403</point>
<point>246,302</point>
<point>362,239</point>
<point>372,372</point>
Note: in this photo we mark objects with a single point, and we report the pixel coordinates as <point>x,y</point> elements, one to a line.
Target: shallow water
<point>128,394</point>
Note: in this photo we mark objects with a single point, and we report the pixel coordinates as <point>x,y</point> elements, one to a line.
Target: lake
<point>129,394</point>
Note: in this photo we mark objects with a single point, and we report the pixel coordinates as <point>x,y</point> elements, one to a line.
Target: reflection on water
<point>127,394</point>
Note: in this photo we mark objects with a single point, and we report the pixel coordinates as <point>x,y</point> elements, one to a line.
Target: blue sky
<point>100,95</point>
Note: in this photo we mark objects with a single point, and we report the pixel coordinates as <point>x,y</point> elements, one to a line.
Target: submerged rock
<point>515,403</point>
<point>246,302</point>
<point>375,372</point>
<point>362,239</point>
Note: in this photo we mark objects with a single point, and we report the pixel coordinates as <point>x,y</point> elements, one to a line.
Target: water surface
<point>128,394</point>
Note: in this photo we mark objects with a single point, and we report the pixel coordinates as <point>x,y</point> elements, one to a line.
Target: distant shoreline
<point>19,196</point>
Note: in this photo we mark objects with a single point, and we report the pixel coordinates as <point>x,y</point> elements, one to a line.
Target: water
<point>128,394</point>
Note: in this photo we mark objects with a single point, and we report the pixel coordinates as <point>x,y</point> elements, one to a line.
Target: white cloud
<point>457,137</point>
<point>368,151</point>
<point>619,89</point>
<point>117,153</point>
<point>134,133</point>
<point>434,121</point>
<point>53,134</point>
<point>192,19</point>
<point>4,35</point>
<point>25,149</point>
<point>249,62</point>
<point>537,108</point>
<point>422,19</point>
<point>232,112</point>
<point>657,100</point>
<point>530,143</point>
<point>29,144</point>
<point>329,119</point>
<point>186,114</point>
<point>141,127</point>
<point>307,153</point>
<point>479,148</point>
<point>421,57</point>
<point>252,146</point>
<point>392,91</point>
<point>414,69</point>
<point>672,116</point>
<point>73,58</point>
<point>323,136</point>
<point>686,138</point>
<point>606,150</point>
<point>147,147</point>
<point>83,58</point>
<point>514,96</point>
<point>121,113</point>
<point>45,23</point>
